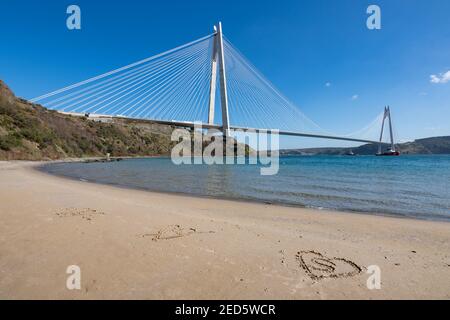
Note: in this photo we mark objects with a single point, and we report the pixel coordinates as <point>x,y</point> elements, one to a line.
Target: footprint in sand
<point>85,213</point>
<point>173,232</point>
<point>317,266</point>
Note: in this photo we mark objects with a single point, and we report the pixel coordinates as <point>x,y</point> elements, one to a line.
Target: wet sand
<point>134,244</point>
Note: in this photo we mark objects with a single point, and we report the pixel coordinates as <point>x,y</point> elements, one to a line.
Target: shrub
<point>10,141</point>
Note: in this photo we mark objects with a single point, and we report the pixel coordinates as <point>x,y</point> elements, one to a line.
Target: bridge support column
<point>212,87</point>
<point>223,82</point>
<point>387,115</point>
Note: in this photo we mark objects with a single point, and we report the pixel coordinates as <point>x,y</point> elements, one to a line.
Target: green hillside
<point>31,132</point>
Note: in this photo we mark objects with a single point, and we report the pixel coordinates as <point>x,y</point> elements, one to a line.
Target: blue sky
<point>299,45</point>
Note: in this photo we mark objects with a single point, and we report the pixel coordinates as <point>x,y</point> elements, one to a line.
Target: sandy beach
<point>134,244</point>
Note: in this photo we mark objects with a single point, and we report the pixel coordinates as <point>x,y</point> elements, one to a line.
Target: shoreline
<point>40,168</point>
<point>151,245</point>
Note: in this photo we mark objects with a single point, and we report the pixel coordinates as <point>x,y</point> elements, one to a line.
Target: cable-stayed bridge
<point>206,81</point>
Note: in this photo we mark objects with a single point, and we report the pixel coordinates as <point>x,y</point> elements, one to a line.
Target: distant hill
<point>32,132</point>
<point>435,145</point>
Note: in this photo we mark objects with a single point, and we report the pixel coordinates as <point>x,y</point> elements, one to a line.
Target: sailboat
<point>391,151</point>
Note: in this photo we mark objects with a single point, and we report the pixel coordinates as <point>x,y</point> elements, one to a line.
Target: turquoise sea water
<point>409,186</point>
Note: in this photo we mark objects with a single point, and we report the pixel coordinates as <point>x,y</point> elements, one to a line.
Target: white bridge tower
<point>218,60</point>
<point>387,115</point>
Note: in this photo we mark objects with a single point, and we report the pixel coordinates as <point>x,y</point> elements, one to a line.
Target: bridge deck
<point>187,124</point>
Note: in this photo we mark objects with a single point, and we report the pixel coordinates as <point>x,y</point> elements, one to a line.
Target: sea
<point>413,186</point>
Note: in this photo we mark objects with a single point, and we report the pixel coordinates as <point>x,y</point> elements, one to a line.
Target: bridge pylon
<point>387,115</point>
<point>218,61</point>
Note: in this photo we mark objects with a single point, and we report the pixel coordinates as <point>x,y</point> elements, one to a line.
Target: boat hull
<point>388,154</point>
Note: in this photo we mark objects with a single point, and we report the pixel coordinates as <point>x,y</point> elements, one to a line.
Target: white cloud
<point>434,79</point>
<point>328,84</point>
<point>355,97</point>
<point>423,93</point>
<point>441,78</point>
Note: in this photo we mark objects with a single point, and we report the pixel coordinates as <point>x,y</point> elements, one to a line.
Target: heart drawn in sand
<point>317,266</point>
